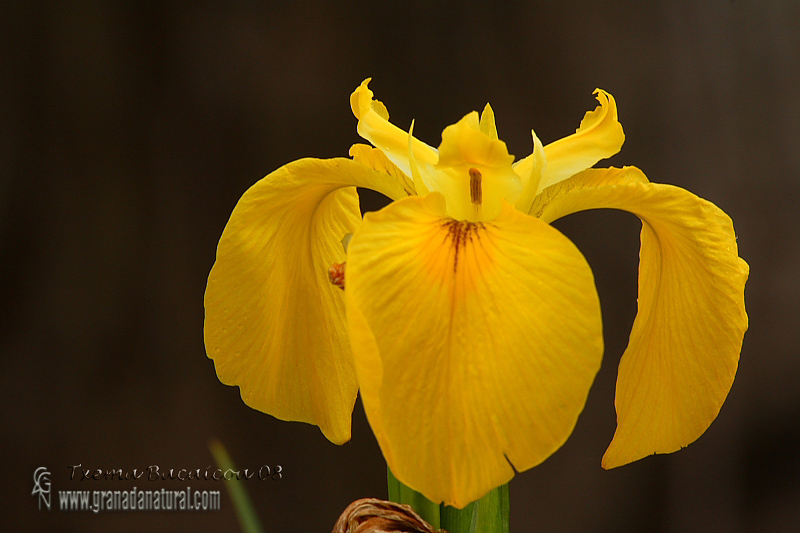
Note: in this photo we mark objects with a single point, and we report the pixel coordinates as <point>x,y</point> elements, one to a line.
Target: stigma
<point>475,186</point>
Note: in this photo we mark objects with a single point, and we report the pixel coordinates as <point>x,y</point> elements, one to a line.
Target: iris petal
<point>274,324</point>
<point>475,343</point>
<point>377,160</point>
<point>488,125</point>
<point>684,347</point>
<point>598,137</point>
<point>374,126</point>
<point>530,173</point>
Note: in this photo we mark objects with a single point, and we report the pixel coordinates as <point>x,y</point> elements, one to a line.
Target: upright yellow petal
<point>599,137</point>
<point>374,126</point>
<point>530,171</point>
<point>422,180</point>
<point>274,324</point>
<point>488,125</point>
<point>475,343</point>
<point>684,348</point>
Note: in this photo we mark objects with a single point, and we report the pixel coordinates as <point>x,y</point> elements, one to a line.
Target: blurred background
<point>128,131</point>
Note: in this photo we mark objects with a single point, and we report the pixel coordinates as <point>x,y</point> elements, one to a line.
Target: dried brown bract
<point>371,515</point>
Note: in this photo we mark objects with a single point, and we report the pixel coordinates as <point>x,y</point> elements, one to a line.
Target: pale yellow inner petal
<point>474,171</point>
<point>377,160</point>
<point>488,126</point>
<point>530,171</point>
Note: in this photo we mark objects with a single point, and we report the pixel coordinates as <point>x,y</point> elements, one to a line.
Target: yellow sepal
<point>475,344</point>
<point>684,347</point>
<point>274,324</point>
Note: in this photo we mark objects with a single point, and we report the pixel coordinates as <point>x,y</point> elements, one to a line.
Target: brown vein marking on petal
<point>371,515</point>
<point>461,232</point>
<point>336,274</point>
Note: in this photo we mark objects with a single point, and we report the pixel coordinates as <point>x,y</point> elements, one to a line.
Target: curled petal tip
<point>361,99</point>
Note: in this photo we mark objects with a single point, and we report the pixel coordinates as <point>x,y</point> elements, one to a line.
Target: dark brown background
<point>128,130</point>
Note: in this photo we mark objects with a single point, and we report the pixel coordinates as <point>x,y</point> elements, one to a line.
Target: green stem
<point>490,514</point>
<point>400,493</point>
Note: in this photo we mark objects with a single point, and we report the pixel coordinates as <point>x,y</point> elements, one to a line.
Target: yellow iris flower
<point>470,325</point>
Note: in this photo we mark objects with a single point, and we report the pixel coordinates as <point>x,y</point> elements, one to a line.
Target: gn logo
<point>41,486</point>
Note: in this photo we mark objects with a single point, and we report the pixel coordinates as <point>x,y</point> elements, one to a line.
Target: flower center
<point>473,172</point>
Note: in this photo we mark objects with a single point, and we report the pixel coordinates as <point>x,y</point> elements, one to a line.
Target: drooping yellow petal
<point>599,137</point>
<point>374,126</point>
<point>684,347</point>
<point>475,343</point>
<point>274,324</point>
